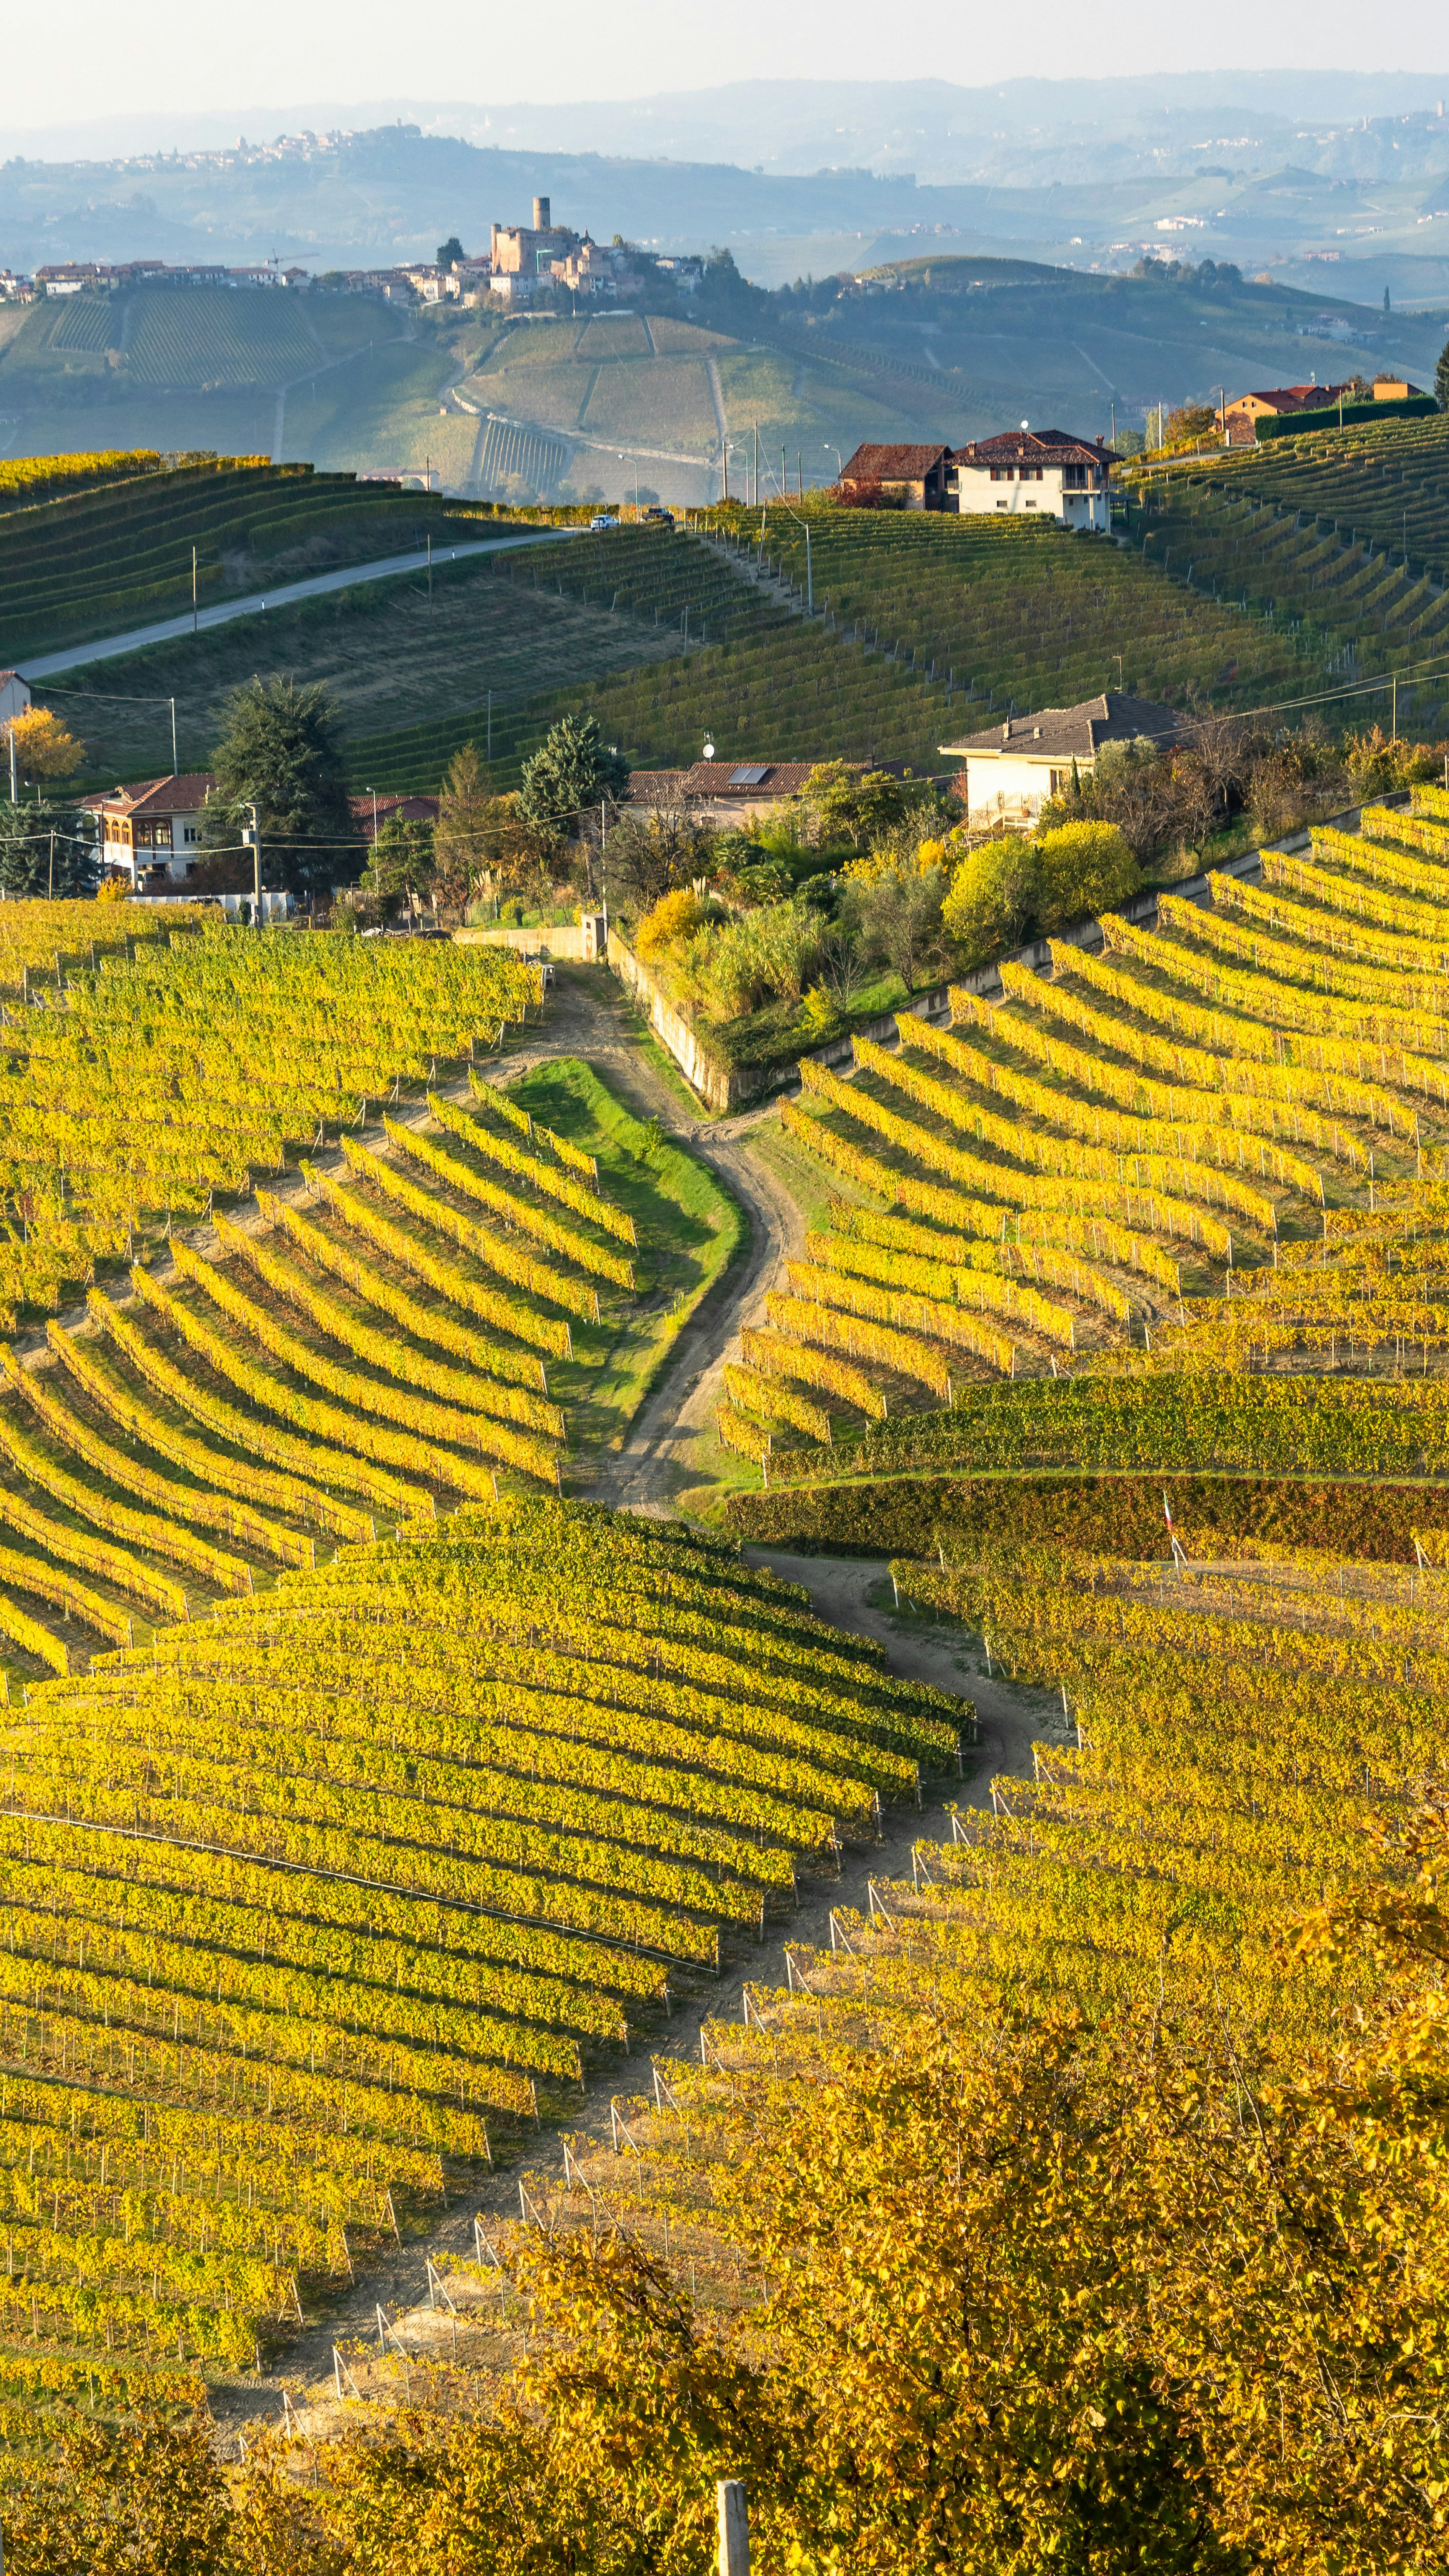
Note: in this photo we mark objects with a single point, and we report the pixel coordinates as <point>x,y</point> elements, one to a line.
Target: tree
<point>859,806</point>
<point>450,250</point>
<point>651,852</point>
<point>574,768</point>
<point>1441,378</point>
<point>44,748</point>
<point>47,849</point>
<point>280,753</point>
<point>897,919</point>
<point>1386,299</point>
<point>400,869</point>
<point>464,833</point>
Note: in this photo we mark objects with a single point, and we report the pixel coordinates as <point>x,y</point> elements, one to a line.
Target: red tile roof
<point>1034,447</point>
<point>409,809</point>
<point>893,464</point>
<point>184,795</point>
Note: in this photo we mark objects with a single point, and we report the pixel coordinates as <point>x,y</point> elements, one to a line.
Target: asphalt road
<point>108,647</point>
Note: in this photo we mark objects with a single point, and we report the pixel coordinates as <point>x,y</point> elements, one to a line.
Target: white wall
<point>977,496</point>
<point>1020,782</point>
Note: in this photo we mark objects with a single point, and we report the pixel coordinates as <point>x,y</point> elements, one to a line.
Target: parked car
<point>659,518</point>
<point>604,519</point>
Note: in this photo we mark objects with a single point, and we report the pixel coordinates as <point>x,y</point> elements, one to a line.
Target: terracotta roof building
<point>154,829</point>
<point>1240,415</point>
<point>732,791</point>
<point>1036,472</point>
<point>372,813</point>
<point>909,478</point>
<point>1012,767</point>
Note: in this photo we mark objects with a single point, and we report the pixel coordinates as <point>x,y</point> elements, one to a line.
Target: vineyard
<point>1076,2092</point>
<point>1212,1148</point>
<point>1340,550</point>
<point>925,625</point>
<point>99,560</point>
<point>311,1903</point>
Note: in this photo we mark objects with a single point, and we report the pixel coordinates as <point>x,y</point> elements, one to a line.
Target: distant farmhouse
<point>1239,418</point>
<point>1042,471</point>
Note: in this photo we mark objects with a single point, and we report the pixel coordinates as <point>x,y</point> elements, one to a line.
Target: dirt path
<point>1008,1719</point>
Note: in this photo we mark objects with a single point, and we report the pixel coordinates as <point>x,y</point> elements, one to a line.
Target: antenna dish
<point>709,751</point>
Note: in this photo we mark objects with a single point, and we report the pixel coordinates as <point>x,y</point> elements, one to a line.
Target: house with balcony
<point>1026,473</point>
<point>152,832</point>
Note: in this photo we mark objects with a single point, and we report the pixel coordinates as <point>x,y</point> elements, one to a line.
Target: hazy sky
<point>167,56</point>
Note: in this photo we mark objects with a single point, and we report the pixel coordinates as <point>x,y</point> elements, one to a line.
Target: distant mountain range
<point>1319,178</point>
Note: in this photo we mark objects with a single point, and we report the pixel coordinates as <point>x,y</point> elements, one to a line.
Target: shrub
<point>993,898</point>
<point>1085,868</point>
<point>672,922</point>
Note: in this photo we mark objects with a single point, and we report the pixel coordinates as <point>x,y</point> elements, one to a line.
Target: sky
<point>160,59</point>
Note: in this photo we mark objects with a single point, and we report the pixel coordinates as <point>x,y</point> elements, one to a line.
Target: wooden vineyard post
<point>734,2528</point>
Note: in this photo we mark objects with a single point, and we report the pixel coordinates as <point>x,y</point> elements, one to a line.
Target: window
<point>1031,505</point>
<point>1001,505</point>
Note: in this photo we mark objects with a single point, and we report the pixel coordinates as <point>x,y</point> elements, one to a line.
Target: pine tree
<point>575,768</point>
<point>1441,378</point>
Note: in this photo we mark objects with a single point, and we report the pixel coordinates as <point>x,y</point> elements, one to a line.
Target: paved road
<point>107,648</point>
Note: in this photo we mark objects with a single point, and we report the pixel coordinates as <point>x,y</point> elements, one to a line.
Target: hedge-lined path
<point>589,1017</point>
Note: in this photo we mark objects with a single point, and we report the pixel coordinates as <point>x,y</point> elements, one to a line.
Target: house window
<point>1031,505</point>
<point>1001,505</point>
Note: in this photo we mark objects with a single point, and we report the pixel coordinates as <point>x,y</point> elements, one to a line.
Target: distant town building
<point>15,289</point>
<point>153,830</point>
<point>901,478</point>
<point>1042,472</point>
<point>1011,768</point>
<point>74,277</point>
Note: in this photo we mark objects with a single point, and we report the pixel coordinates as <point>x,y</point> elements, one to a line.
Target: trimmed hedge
<point>1111,1515</point>
<point>1301,424</point>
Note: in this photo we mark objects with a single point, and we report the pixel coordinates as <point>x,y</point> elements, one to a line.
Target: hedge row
<point>1113,1515</point>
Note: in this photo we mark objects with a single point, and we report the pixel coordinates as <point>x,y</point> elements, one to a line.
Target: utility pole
<point>173,737</point>
<point>1394,705</point>
<point>52,866</point>
<point>809,576</point>
<point>734,2528</point>
<point>799,478</point>
<point>255,837</point>
<point>757,463</point>
<point>193,590</point>
<point>14,799</point>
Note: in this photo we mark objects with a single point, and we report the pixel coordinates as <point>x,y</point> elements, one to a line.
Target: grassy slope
<point>689,1231</point>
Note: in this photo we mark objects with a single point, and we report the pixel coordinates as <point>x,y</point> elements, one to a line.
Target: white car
<point>604,520</point>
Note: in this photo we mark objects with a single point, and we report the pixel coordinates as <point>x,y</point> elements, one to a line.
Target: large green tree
<point>574,769</point>
<point>280,753</point>
<point>47,849</point>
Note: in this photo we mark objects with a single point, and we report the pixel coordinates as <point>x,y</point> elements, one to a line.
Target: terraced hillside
<point>923,626</point>
<point>100,561</point>
<point>312,1904</point>
<point>1095,1163</point>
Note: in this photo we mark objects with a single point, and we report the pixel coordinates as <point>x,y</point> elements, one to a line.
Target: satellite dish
<point>1026,424</point>
<point>709,751</point>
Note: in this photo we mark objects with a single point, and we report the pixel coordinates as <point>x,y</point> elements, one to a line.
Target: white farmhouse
<point>1013,767</point>
<point>1039,472</point>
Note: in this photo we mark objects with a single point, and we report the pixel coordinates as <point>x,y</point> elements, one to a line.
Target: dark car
<point>659,518</point>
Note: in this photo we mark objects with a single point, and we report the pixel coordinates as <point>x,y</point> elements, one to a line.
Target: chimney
<point>541,223</point>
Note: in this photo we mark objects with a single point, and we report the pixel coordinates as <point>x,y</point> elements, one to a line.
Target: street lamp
<point>832,450</point>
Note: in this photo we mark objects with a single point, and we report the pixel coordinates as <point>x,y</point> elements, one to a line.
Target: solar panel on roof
<point>749,777</point>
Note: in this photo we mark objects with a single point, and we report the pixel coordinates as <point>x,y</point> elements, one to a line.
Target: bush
<point>993,898</point>
<point>1085,869</point>
<point>674,919</point>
